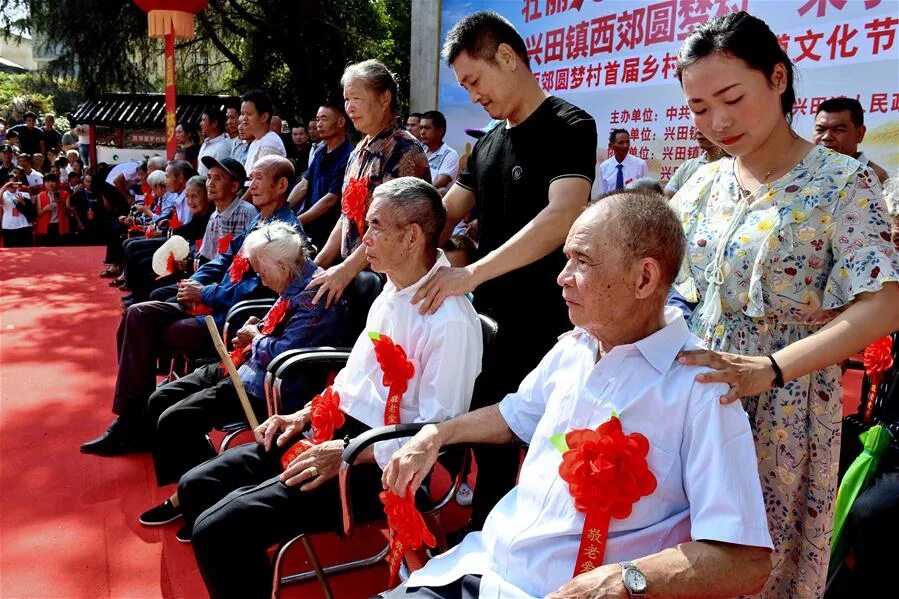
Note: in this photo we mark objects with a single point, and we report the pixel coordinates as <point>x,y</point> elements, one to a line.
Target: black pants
<point>180,413</point>
<point>139,275</point>
<point>148,330</point>
<point>238,509</point>
<point>466,587</point>
<point>166,293</point>
<point>518,348</point>
<point>115,234</point>
<point>17,238</point>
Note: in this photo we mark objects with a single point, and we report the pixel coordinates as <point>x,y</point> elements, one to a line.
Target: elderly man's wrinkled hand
<point>315,466</point>
<point>331,284</point>
<point>281,428</point>
<point>246,334</point>
<point>602,583</point>
<point>444,283</point>
<point>411,463</point>
<point>746,375</point>
<point>189,292</point>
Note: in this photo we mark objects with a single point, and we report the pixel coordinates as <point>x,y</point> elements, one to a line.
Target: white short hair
<point>276,246</point>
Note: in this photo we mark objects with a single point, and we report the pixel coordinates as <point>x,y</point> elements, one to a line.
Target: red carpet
<point>68,522</point>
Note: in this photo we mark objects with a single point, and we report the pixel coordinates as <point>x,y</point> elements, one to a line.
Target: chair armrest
<point>386,433</point>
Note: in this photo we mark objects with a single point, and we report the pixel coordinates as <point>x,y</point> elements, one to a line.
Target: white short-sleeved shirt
<point>34,178</point>
<point>12,216</point>
<point>270,143</point>
<point>218,147</point>
<point>443,161</point>
<point>128,169</point>
<point>445,348</point>
<point>701,453</point>
<point>607,175</point>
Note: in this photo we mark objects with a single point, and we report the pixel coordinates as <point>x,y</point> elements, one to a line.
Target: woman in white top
<point>16,201</point>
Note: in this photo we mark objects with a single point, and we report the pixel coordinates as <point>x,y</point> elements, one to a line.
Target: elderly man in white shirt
<point>622,168</point>
<point>699,530</point>
<point>219,498</point>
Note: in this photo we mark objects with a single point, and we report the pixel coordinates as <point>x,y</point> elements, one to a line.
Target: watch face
<point>635,580</point>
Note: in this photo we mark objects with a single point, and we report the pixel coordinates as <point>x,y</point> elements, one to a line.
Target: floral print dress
<point>769,272</point>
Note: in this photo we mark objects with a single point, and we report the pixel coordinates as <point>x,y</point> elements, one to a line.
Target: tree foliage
<point>295,49</point>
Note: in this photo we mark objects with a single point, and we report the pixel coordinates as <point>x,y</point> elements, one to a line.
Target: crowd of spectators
<point>295,212</point>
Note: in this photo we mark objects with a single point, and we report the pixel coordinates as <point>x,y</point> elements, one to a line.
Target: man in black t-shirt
<point>527,194</point>
<point>52,138</point>
<point>31,138</point>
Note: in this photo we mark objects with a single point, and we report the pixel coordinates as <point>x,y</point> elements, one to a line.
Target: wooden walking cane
<point>232,371</point>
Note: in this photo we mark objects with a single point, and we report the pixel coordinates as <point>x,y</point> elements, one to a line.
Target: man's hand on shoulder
<point>411,463</point>
<point>446,282</point>
<point>602,583</point>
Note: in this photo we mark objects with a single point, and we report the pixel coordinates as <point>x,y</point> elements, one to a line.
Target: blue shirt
<point>218,291</point>
<point>325,175</point>
<point>307,325</point>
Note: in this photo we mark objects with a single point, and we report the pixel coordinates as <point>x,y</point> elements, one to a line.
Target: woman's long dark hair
<point>747,38</point>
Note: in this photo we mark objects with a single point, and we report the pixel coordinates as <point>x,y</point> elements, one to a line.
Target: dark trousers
<point>17,238</point>
<point>239,508</point>
<point>518,348</point>
<point>115,235</point>
<point>165,293</point>
<point>139,275</point>
<point>467,587</point>
<point>180,413</point>
<point>146,331</point>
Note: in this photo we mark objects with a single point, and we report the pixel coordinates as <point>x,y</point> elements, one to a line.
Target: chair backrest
<point>488,331</point>
<point>241,312</point>
<point>361,293</point>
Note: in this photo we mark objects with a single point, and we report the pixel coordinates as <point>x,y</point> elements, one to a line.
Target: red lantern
<point>178,13</point>
<point>170,19</point>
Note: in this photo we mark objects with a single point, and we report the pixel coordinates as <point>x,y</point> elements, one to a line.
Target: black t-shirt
<point>52,139</point>
<point>510,171</point>
<point>29,139</point>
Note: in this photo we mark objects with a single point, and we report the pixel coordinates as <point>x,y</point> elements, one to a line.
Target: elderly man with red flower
<point>638,481</point>
<point>404,368</point>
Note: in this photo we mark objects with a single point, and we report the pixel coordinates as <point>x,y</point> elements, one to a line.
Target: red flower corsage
<point>224,242</point>
<point>394,364</point>
<point>878,359</point>
<point>274,316</point>
<point>151,230</point>
<point>408,529</point>
<point>326,417</point>
<point>199,310</point>
<point>239,267</point>
<point>607,474</point>
<point>355,200</point>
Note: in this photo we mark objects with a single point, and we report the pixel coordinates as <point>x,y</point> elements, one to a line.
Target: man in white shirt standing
<point>405,220</point>
<point>622,168</point>
<point>215,143</point>
<point>443,160</point>
<point>256,113</point>
<point>699,530</point>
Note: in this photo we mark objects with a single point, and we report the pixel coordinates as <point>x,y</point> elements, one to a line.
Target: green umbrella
<point>875,441</point>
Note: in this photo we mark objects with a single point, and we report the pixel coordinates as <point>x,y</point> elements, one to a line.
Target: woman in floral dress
<point>789,256</point>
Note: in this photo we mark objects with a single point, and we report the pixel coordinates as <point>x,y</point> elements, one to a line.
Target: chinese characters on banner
<point>617,60</point>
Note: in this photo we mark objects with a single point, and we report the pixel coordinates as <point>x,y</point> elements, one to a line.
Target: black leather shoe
<point>183,534</point>
<point>163,513</point>
<point>119,439</point>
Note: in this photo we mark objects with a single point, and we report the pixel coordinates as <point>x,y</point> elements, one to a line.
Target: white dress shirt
<point>632,167</point>
<point>218,147</point>
<point>443,161</point>
<point>701,453</point>
<point>270,143</point>
<point>445,348</point>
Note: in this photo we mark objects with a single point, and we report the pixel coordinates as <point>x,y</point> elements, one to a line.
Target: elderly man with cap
<point>224,180</point>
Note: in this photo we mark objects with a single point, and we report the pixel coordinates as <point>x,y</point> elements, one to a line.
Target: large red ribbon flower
<point>239,267</point>
<point>878,359</point>
<point>326,417</point>
<point>224,242</point>
<point>354,204</point>
<point>607,474</point>
<point>395,365</point>
<point>407,526</point>
<point>199,309</point>
<point>274,316</point>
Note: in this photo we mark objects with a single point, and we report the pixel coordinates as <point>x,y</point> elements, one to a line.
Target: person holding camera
<point>16,209</point>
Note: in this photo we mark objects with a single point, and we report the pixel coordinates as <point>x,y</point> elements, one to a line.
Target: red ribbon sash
<point>878,358</point>
<point>239,267</point>
<point>607,474</point>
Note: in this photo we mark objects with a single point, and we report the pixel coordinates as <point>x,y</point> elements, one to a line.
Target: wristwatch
<point>633,579</point>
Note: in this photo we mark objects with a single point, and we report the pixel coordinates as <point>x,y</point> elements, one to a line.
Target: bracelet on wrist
<point>778,373</point>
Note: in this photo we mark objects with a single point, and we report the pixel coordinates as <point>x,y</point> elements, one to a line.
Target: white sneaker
<point>464,495</point>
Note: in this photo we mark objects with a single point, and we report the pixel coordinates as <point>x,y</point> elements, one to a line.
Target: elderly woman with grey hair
<point>180,413</point>
<point>386,152</point>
